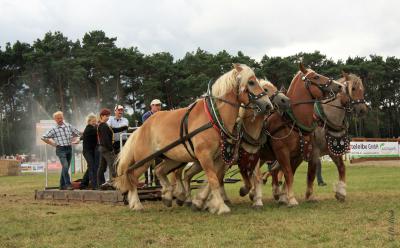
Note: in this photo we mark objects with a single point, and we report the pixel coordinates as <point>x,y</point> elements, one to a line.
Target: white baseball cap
<point>155,102</point>
<point>118,107</point>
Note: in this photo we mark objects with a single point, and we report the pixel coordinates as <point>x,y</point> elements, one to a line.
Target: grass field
<point>373,193</point>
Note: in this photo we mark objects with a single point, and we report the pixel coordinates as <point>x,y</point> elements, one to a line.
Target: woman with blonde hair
<point>89,138</point>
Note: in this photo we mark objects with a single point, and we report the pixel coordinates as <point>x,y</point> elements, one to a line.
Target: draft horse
<point>165,128</point>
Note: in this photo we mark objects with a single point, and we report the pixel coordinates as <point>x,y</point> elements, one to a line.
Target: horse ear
<point>283,89</point>
<point>237,67</point>
<point>345,75</point>
<point>302,68</point>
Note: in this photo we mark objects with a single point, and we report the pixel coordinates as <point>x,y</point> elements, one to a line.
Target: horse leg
<point>288,198</point>
<point>216,204</point>
<point>294,165</point>
<point>133,196</point>
<point>221,174</point>
<point>340,187</point>
<point>276,189</point>
<point>187,178</point>
<point>245,189</point>
<point>179,190</point>
<point>162,171</point>
<point>311,170</point>
<point>257,186</point>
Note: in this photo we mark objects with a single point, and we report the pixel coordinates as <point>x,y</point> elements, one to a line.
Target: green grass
<point>361,221</point>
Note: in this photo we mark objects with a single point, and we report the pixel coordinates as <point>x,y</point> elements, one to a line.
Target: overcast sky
<point>338,28</point>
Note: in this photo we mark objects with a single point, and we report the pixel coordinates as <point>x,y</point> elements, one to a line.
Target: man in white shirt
<point>119,124</point>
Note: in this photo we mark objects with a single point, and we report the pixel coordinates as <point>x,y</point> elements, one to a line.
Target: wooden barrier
<point>9,167</point>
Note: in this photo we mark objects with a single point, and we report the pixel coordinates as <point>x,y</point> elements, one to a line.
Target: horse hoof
<point>167,202</point>
<point>223,210</point>
<point>188,203</point>
<point>282,200</point>
<point>243,191</point>
<point>196,205</point>
<point>292,202</point>
<point>340,197</point>
<point>228,202</point>
<point>179,202</point>
<point>276,197</point>
<point>257,207</point>
<point>251,196</point>
<point>138,207</point>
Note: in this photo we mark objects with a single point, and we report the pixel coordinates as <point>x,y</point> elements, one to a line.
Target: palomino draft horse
<point>248,159</point>
<point>331,137</point>
<point>290,141</point>
<point>189,132</point>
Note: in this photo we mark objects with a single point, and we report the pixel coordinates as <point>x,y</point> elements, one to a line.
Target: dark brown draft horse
<point>331,137</point>
<point>239,86</point>
<point>290,134</point>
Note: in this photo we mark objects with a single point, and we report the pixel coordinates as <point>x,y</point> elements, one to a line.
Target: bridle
<point>352,101</point>
<point>322,87</point>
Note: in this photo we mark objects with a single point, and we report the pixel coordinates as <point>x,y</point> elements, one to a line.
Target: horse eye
<point>316,77</point>
<point>251,83</point>
<point>353,89</point>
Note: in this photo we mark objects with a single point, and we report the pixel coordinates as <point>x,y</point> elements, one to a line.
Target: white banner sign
<point>374,149</point>
<point>33,167</point>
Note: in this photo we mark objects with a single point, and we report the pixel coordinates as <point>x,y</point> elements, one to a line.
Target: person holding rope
<point>61,137</point>
<point>155,106</point>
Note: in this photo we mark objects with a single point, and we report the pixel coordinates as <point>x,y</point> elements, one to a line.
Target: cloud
<point>278,28</point>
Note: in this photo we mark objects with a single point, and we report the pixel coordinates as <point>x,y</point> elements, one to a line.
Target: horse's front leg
<point>257,186</point>
<point>216,204</point>
<point>288,198</point>
<point>311,170</point>
<point>179,190</point>
<point>340,187</point>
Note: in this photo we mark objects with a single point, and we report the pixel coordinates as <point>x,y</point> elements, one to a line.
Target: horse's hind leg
<point>179,190</point>
<point>162,171</point>
<point>340,187</point>
<point>194,169</point>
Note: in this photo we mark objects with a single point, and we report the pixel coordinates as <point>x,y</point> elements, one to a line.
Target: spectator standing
<point>89,138</point>
<point>119,124</point>
<point>61,137</point>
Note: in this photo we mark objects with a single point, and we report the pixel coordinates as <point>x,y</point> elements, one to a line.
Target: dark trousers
<point>90,175</point>
<point>107,159</point>
<point>64,153</point>
<point>319,172</point>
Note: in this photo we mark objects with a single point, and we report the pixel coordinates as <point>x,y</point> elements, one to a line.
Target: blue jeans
<point>64,153</point>
<point>91,172</point>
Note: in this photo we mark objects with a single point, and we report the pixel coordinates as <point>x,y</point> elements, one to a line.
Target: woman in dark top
<point>107,156</point>
<point>89,138</point>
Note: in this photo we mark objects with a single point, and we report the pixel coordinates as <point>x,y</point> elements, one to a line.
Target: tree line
<point>82,76</point>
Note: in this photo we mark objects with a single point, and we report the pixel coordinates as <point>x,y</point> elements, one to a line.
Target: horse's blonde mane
<point>229,80</point>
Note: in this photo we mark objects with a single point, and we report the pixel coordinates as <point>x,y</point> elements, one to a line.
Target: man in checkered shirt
<point>61,137</point>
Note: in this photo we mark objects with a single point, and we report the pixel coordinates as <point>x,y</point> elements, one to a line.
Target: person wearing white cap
<point>119,124</point>
<point>155,106</point>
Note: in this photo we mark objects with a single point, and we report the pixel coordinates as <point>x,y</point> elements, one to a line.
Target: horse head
<point>354,89</point>
<point>250,91</point>
<point>318,85</point>
<point>280,101</point>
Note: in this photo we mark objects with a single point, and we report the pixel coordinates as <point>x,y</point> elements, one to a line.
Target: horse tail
<point>124,181</point>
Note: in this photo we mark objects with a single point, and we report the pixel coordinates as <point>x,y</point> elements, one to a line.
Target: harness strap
<point>184,130</point>
<point>170,146</point>
<point>307,129</point>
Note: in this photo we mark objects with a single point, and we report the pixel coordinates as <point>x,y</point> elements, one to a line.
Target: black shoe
<point>107,186</point>
<point>83,186</point>
<point>322,184</point>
